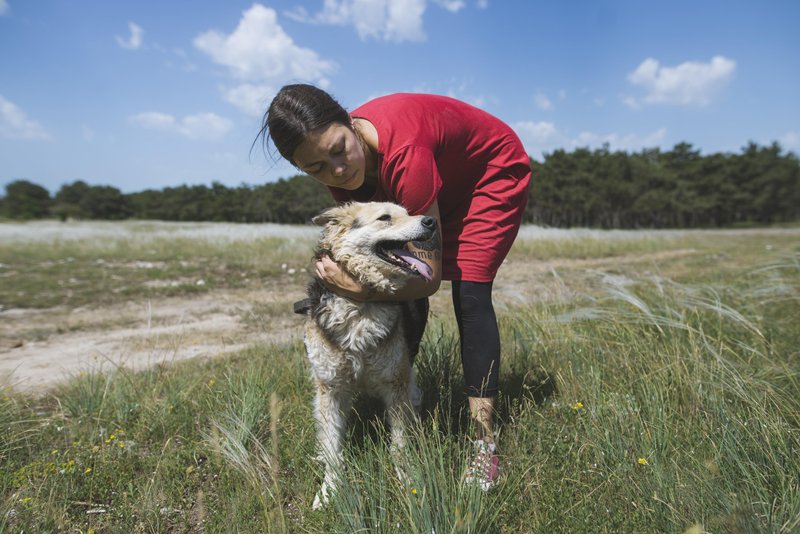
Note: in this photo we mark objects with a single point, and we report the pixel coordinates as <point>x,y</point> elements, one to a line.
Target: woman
<point>435,156</point>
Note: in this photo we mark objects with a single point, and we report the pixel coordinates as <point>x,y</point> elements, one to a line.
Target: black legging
<point>480,338</point>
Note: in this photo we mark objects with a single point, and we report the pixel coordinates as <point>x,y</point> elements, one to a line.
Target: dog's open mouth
<point>395,253</point>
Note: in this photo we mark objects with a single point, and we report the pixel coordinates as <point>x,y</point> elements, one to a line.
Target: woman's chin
<point>353,183</point>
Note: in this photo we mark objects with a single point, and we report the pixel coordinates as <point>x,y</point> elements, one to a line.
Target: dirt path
<point>38,348</point>
<point>42,347</point>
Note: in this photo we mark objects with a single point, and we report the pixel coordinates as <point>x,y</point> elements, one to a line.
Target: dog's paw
<point>402,475</point>
<point>319,501</point>
<point>322,497</point>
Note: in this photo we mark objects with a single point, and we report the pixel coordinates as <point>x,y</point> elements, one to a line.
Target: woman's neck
<point>369,140</point>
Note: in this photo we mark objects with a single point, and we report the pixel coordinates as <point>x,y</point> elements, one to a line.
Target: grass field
<point>650,383</point>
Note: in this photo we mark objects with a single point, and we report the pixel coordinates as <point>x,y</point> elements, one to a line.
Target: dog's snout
<point>429,223</point>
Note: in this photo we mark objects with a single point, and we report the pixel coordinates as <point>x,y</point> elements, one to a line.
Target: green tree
<point>81,201</point>
<point>70,201</point>
<point>106,202</point>
<point>26,200</point>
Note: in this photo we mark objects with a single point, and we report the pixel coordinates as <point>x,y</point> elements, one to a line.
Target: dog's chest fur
<point>350,342</point>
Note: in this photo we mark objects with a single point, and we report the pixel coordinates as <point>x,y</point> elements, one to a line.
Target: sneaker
<point>485,467</point>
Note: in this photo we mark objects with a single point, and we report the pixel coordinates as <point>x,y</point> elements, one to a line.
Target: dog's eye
<point>385,217</point>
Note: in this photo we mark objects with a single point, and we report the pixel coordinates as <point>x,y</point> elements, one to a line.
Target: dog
<point>366,346</point>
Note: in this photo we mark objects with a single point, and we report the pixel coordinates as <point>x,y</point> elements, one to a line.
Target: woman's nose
<point>338,167</point>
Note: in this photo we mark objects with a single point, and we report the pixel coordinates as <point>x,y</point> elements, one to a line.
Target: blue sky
<point>149,94</point>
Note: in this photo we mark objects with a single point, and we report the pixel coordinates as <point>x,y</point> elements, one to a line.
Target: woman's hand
<point>339,281</point>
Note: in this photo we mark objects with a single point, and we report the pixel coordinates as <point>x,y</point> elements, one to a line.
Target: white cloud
<point>688,84</point>
<point>261,55</point>
<point>154,120</point>
<point>483,4</point>
<point>204,126</point>
<point>14,124</point>
<point>198,126</point>
<point>538,136</point>
<point>4,7</point>
<point>543,137</point>
<point>389,20</point>
<point>453,6</point>
<point>133,42</point>
<point>259,50</point>
<point>542,101</point>
<point>249,98</point>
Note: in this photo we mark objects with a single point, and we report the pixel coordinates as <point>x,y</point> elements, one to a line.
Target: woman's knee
<point>473,299</point>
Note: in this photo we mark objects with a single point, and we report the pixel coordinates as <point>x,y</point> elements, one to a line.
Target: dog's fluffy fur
<point>366,346</point>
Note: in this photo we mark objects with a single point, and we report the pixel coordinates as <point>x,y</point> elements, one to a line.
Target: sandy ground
<point>40,347</point>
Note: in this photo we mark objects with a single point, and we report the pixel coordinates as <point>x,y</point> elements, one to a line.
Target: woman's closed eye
<point>338,148</point>
<point>314,170</point>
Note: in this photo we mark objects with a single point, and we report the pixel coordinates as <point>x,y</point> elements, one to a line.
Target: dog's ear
<point>330,214</point>
<point>334,214</point>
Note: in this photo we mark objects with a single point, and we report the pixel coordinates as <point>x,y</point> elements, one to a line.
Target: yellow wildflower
<point>25,500</point>
<point>413,491</point>
<point>88,470</point>
<point>577,406</point>
<point>643,461</point>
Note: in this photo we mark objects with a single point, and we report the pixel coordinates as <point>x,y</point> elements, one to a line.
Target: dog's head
<point>369,241</point>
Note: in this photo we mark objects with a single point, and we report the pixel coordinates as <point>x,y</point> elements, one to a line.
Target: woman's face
<point>333,156</point>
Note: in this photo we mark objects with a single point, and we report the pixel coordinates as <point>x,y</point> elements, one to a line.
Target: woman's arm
<point>343,284</point>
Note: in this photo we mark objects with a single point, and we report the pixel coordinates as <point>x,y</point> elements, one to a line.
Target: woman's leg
<point>480,350</point>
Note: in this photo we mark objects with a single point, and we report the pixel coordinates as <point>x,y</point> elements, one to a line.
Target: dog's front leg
<point>330,407</point>
<point>400,412</point>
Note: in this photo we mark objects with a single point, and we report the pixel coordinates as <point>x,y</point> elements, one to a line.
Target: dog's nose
<point>429,223</point>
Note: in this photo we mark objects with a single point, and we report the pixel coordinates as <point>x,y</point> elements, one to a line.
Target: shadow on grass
<point>445,400</point>
<point>517,389</point>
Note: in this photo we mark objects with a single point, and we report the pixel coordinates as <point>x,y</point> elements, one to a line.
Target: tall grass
<point>674,406</point>
<point>663,398</point>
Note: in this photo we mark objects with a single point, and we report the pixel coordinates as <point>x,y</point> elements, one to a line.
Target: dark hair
<point>294,112</point>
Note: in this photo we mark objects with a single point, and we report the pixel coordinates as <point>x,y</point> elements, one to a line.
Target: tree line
<point>679,188</point>
<point>290,201</point>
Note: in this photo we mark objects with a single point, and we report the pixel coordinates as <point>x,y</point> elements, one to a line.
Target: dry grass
<point>649,384</point>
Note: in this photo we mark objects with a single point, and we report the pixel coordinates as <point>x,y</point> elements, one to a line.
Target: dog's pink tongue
<point>422,268</point>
